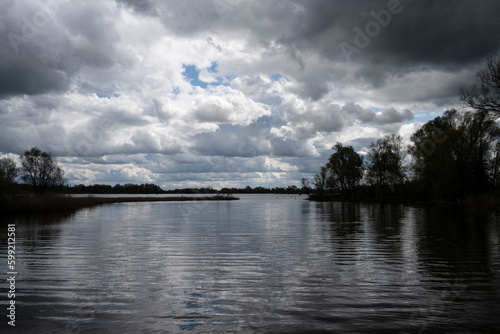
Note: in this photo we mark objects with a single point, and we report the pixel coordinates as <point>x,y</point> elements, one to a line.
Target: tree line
<point>451,158</point>
<point>40,173</point>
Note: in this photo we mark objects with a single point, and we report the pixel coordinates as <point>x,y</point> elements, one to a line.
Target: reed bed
<point>53,203</point>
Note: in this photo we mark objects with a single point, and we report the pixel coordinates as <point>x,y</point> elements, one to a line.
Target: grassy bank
<point>54,203</point>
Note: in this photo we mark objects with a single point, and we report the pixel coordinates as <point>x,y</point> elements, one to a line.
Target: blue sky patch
<point>277,77</point>
<point>213,67</point>
<point>102,96</point>
<point>192,74</point>
<point>427,115</point>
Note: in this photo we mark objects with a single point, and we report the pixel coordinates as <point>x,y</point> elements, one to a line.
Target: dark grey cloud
<point>146,7</point>
<point>384,117</point>
<point>43,45</point>
<point>424,34</point>
<point>236,140</point>
<point>28,64</point>
<point>452,32</point>
<point>288,147</point>
<point>391,115</point>
<point>28,74</point>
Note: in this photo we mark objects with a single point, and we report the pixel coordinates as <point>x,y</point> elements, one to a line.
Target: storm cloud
<point>228,92</point>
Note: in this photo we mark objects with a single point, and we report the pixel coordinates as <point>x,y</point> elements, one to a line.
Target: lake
<point>263,264</point>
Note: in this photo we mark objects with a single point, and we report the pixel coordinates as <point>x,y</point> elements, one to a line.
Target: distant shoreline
<point>55,203</point>
<point>485,201</point>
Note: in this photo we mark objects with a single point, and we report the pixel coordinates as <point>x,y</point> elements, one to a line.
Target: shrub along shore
<point>54,203</point>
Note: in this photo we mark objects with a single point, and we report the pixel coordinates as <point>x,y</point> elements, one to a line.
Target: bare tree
<point>40,170</point>
<point>486,95</point>
<point>8,174</point>
<point>320,180</point>
<point>305,185</point>
<point>8,169</point>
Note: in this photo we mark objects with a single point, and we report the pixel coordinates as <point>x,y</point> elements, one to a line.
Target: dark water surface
<point>259,265</point>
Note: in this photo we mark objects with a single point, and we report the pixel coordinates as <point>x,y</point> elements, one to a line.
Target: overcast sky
<point>228,93</point>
